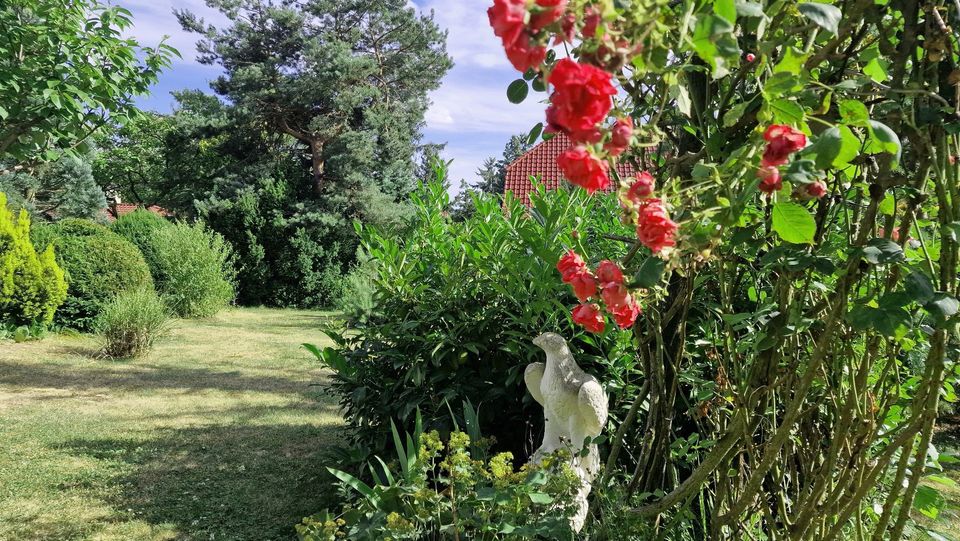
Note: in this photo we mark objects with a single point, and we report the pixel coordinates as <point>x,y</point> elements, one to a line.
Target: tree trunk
<point>316,165</point>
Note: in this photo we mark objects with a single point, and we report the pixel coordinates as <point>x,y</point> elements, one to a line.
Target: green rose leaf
<point>517,91</point>
<point>793,223</point>
<point>824,15</point>
<point>882,251</point>
<point>836,147</point>
<point>942,307</point>
<point>541,498</point>
<point>883,139</point>
<point>534,133</point>
<point>649,273</point>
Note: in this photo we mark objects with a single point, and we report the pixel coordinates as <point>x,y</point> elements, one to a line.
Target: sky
<point>469,112</point>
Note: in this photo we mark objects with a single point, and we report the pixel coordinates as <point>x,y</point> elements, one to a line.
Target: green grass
<point>219,433</point>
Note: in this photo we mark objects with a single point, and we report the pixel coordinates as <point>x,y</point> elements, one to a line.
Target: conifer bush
<point>32,285</point>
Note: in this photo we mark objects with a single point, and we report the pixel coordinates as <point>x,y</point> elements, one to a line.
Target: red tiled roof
<point>541,161</point>
<point>116,210</point>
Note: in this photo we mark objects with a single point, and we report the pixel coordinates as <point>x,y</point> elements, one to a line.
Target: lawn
<point>220,433</point>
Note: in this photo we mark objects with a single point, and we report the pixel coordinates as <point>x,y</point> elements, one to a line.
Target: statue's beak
<point>538,341</point>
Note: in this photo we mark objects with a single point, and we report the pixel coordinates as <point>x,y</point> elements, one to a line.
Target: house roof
<point>541,161</point>
<point>117,210</point>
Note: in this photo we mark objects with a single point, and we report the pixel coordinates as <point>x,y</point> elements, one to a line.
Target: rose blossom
<point>751,57</point>
<point>816,189</point>
<point>581,98</point>
<point>615,295</point>
<point>655,229</point>
<point>591,20</point>
<point>523,54</point>
<point>609,272</point>
<point>570,265</point>
<point>770,180</point>
<point>620,137</point>
<point>640,189</point>
<point>584,169</point>
<point>782,141</point>
<point>548,12</point>
<point>568,28</point>
<point>589,317</point>
<point>625,314</point>
<point>584,286</point>
<point>507,18</point>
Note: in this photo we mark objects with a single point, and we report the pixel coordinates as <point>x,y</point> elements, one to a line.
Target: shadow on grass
<point>124,377</point>
<point>220,482</point>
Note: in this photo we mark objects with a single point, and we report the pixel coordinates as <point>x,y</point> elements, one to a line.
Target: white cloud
<point>153,20</point>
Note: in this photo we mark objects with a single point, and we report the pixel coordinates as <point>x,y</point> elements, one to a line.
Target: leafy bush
<point>455,490</point>
<point>193,269</point>
<point>457,304</point>
<point>32,285</point>
<point>131,323</point>
<point>139,227</point>
<point>99,264</point>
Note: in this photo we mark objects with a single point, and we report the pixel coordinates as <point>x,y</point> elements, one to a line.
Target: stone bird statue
<point>574,408</point>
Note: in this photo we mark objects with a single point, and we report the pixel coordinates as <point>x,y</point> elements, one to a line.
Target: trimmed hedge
<point>139,227</point>
<point>99,264</point>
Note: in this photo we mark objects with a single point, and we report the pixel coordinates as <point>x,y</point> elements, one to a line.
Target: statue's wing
<point>592,404</point>
<point>532,376</point>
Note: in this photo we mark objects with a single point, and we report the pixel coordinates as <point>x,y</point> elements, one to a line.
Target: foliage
<point>348,80</point>
<point>130,324</point>
<point>357,301</point>
<point>456,305</point>
<point>132,158</point>
<point>99,264</point>
<point>32,285</point>
<point>797,335</point>
<point>140,227</point>
<point>66,72</point>
<point>493,174</point>
<point>61,189</point>
<point>194,271</point>
<point>452,489</point>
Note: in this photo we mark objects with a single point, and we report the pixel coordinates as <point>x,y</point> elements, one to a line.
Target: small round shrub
<point>139,227</point>
<point>130,324</point>
<point>193,268</point>
<point>99,265</point>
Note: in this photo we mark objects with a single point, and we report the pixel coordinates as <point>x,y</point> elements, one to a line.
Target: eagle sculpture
<point>574,409</point>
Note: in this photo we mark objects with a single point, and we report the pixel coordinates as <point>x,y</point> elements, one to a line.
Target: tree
<point>493,172</point>
<point>62,189</point>
<point>348,79</point>
<point>65,73</point>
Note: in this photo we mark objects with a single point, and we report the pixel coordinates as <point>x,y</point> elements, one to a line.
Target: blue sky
<point>470,112</point>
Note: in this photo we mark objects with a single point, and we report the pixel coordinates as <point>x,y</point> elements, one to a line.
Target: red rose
<point>589,317</point>
<point>591,20</point>
<point>584,169</point>
<point>507,18</point>
<point>641,189</point>
<point>816,189</point>
<point>770,180</point>
<point>588,136</point>
<point>620,136</point>
<point>524,54</point>
<point>584,286</point>
<point>609,272</point>
<point>615,295</point>
<point>548,11</point>
<point>581,98</point>
<point>782,141</point>
<point>751,57</point>
<point>626,314</point>
<point>568,28</point>
<point>570,265</point>
<point>655,229</point>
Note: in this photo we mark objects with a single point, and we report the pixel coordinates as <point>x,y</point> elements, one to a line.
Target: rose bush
<point>791,151</point>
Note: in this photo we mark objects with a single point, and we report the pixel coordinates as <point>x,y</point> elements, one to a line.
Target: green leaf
<point>540,498</point>
<point>3,113</point>
<point>875,70</point>
<point>786,111</point>
<point>517,91</point>
<point>714,42</point>
<point>649,273</point>
<point>929,501</point>
<point>792,62</point>
<point>357,485</point>
<point>534,133</point>
<point>883,139</point>
<point>836,147</point>
<point>726,9</point>
<point>824,15</point>
<point>942,307</point>
<point>888,206</point>
<point>854,113</point>
<point>793,223</point>
<point>919,286</point>
<point>734,114</point>
<point>887,320</point>
<point>749,9</point>
<point>882,251</point>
